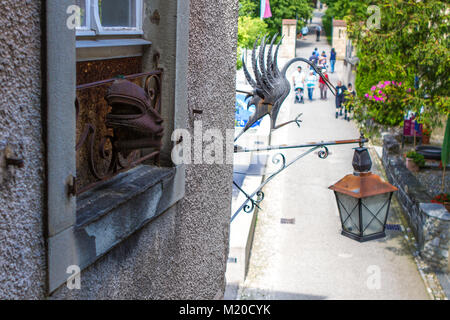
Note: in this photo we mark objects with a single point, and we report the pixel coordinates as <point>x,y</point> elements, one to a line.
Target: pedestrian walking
<point>314,58</point>
<point>322,86</point>
<point>305,31</point>
<point>311,81</point>
<point>318,31</point>
<point>299,85</point>
<point>332,59</point>
<point>316,52</point>
<point>349,95</point>
<point>340,96</point>
<point>323,60</point>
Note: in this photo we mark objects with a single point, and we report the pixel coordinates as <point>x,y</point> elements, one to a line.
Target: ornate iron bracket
<point>279,158</point>
<point>270,88</point>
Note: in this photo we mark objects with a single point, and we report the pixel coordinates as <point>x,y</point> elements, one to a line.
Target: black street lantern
<point>363,200</point>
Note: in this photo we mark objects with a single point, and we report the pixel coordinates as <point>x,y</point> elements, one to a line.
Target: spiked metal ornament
<point>270,85</point>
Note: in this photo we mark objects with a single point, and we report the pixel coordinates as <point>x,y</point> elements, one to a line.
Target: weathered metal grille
<point>287,221</point>
<point>394,227</point>
<point>97,158</point>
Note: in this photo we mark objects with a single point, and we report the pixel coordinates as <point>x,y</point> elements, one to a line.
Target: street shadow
<point>400,248</point>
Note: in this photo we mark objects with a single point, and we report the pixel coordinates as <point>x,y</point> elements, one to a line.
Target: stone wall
<point>22,250</point>
<point>429,222</point>
<point>339,38</point>
<point>289,29</point>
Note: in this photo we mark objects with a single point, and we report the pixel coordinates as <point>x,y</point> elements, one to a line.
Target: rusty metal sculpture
<point>270,89</point>
<point>136,124</point>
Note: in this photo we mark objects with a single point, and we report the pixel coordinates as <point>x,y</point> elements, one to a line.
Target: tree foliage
<point>281,9</point>
<point>249,29</point>
<point>249,8</point>
<point>287,9</point>
<point>412,41</point>
<point>339,9</point>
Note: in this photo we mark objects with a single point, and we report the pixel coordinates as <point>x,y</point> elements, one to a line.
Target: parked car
<point>243,112</point>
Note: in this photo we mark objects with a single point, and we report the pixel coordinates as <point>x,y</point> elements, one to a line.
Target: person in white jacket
<point>299,85</point>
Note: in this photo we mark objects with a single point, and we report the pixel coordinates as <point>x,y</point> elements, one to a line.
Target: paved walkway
<point>310,259</point>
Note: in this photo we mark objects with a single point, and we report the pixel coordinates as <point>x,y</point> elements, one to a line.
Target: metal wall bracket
<point>8,158</point>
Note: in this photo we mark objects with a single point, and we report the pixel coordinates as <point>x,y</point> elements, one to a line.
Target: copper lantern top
<point>362,185</point>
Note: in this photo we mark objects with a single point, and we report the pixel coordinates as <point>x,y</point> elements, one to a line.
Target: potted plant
<point>443,198</point>
<point>426,134</point>
<point>414,161</point>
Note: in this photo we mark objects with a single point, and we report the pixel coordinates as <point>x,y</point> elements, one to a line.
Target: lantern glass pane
<point>349,212</point>
<point>374,211</point>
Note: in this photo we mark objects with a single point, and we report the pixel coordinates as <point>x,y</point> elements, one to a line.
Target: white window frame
<point>94,26</point>
<point>86,30</point>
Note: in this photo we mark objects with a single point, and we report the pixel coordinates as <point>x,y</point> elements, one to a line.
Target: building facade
<point>156,231</point>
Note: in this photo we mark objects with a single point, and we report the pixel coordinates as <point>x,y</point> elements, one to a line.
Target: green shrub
<point>416,157</point>
<point>248,31</point>
<point>239,59</point>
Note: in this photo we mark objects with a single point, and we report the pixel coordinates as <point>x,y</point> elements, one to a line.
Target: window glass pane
<point>82,5</point>
<point>117,13</point>
<point>374,212</point>
<point>349,210</point>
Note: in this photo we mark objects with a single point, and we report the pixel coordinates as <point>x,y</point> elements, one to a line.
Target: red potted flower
<point>443,198</point>
<point>426,134</point>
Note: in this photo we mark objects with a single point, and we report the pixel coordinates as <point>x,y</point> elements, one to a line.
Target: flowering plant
<point>426,132</point>
<point>387,102</point>
<point>441,198</point>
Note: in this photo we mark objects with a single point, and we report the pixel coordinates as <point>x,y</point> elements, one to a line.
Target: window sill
<point>110,213</point>
<point>100,49</point>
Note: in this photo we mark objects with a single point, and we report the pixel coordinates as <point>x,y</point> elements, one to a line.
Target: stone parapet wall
<point>287,49</point>
<point>339,38</point>
<point>429,222</point>
<point>436,230</point>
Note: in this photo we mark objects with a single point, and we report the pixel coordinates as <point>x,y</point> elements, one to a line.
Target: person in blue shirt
<point>314,58</point>
<point>305,31</point>
<point>311,81</point>
<point>332,59</point>
<point>316,52</point>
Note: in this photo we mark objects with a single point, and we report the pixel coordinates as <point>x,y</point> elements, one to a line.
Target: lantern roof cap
<point>362,185</point>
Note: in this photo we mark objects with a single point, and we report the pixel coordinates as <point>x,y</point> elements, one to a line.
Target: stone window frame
<point>69,241</point>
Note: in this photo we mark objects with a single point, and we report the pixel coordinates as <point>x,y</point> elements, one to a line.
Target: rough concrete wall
<point>22,250</point>
<point>144,266</point>
<point>183,253</point>
<point>211,87</point>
